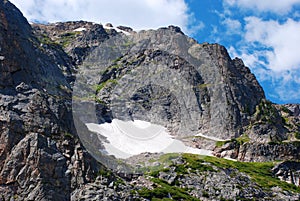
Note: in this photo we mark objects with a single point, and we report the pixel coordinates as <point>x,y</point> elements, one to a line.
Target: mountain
<point>56,79</point>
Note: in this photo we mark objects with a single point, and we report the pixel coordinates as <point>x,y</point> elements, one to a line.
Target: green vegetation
<point>192,164</point>
<point>103,172</point>
<point>102,102</point>
<point>240,140</point>
<point>118,182</point>
<point>99,87</point>
<point>259,172</point>
<point>266,112</point>
<point>66,38</point>
<point>221,143</point>
<point>203,86</point>
<point>68,135</point>
<point>164,191</point>
<point>46,40</point>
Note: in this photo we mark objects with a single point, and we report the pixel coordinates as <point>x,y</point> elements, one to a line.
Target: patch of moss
<point>203,86</point>
<point>100,86</point>
<point>240,140</point>
<point>221,143</point>
<point>68,135</point>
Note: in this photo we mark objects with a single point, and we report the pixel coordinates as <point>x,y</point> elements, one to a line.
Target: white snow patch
<point>80,29</point>
<point>210,137</point>
<point>129,138</point>
<point>118,30</point>
<point>141,124</point>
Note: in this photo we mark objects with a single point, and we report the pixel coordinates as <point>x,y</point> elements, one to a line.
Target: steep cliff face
<point>167,78</point>
<point>40,156</point>
<point>160,76</point>
<point>22,57</point>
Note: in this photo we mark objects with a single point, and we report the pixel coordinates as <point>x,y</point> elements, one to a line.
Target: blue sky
<point>264,33</point>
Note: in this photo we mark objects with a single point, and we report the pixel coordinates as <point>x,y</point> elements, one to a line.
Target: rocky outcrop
<point>259,152</point>
<point>273,134</point>
<point>288,171</point>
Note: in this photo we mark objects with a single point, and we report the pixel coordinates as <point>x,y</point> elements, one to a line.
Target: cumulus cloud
<point>138,14</point>
<point>286,86</point>
<point>282,39</point>
<point>232,26</point>
<point>276,6</point>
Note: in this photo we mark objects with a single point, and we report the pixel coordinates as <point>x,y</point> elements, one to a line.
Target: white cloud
<point>138,14</point>
<point>282,39</point>
<point>287,85</point>
<point>250,60</point>
<point>192,30</point>
<point>276,6</point>
<point>233,26</point>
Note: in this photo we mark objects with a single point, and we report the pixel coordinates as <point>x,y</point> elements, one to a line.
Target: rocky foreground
<point>47,153</point>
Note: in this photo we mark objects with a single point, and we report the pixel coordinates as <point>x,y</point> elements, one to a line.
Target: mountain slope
<point>160,76</point>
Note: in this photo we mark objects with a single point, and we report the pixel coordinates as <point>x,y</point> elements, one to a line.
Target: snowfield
<point>129,138</point>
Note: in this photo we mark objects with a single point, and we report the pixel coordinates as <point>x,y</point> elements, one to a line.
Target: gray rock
<point>288,171</point>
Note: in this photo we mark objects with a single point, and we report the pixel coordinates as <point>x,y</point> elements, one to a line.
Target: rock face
<point>149,75</point>
<point>288,171</point>
<point>22,60</point>
<point>152,76</point>
<point>40,156</point>
<point>273,134</point>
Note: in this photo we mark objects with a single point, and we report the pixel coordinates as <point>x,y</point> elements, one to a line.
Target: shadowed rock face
<point>41,155</point>
<point>22,57</point>
<point>288,171</point>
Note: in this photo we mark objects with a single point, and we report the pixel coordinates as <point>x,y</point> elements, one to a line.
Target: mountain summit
<point>72,94</point>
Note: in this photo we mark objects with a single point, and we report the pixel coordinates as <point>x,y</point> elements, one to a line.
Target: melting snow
<point>129,138</point>
<point>80,29</point>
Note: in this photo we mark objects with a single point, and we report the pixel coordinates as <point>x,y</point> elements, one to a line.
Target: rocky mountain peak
<point>57,78</point>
